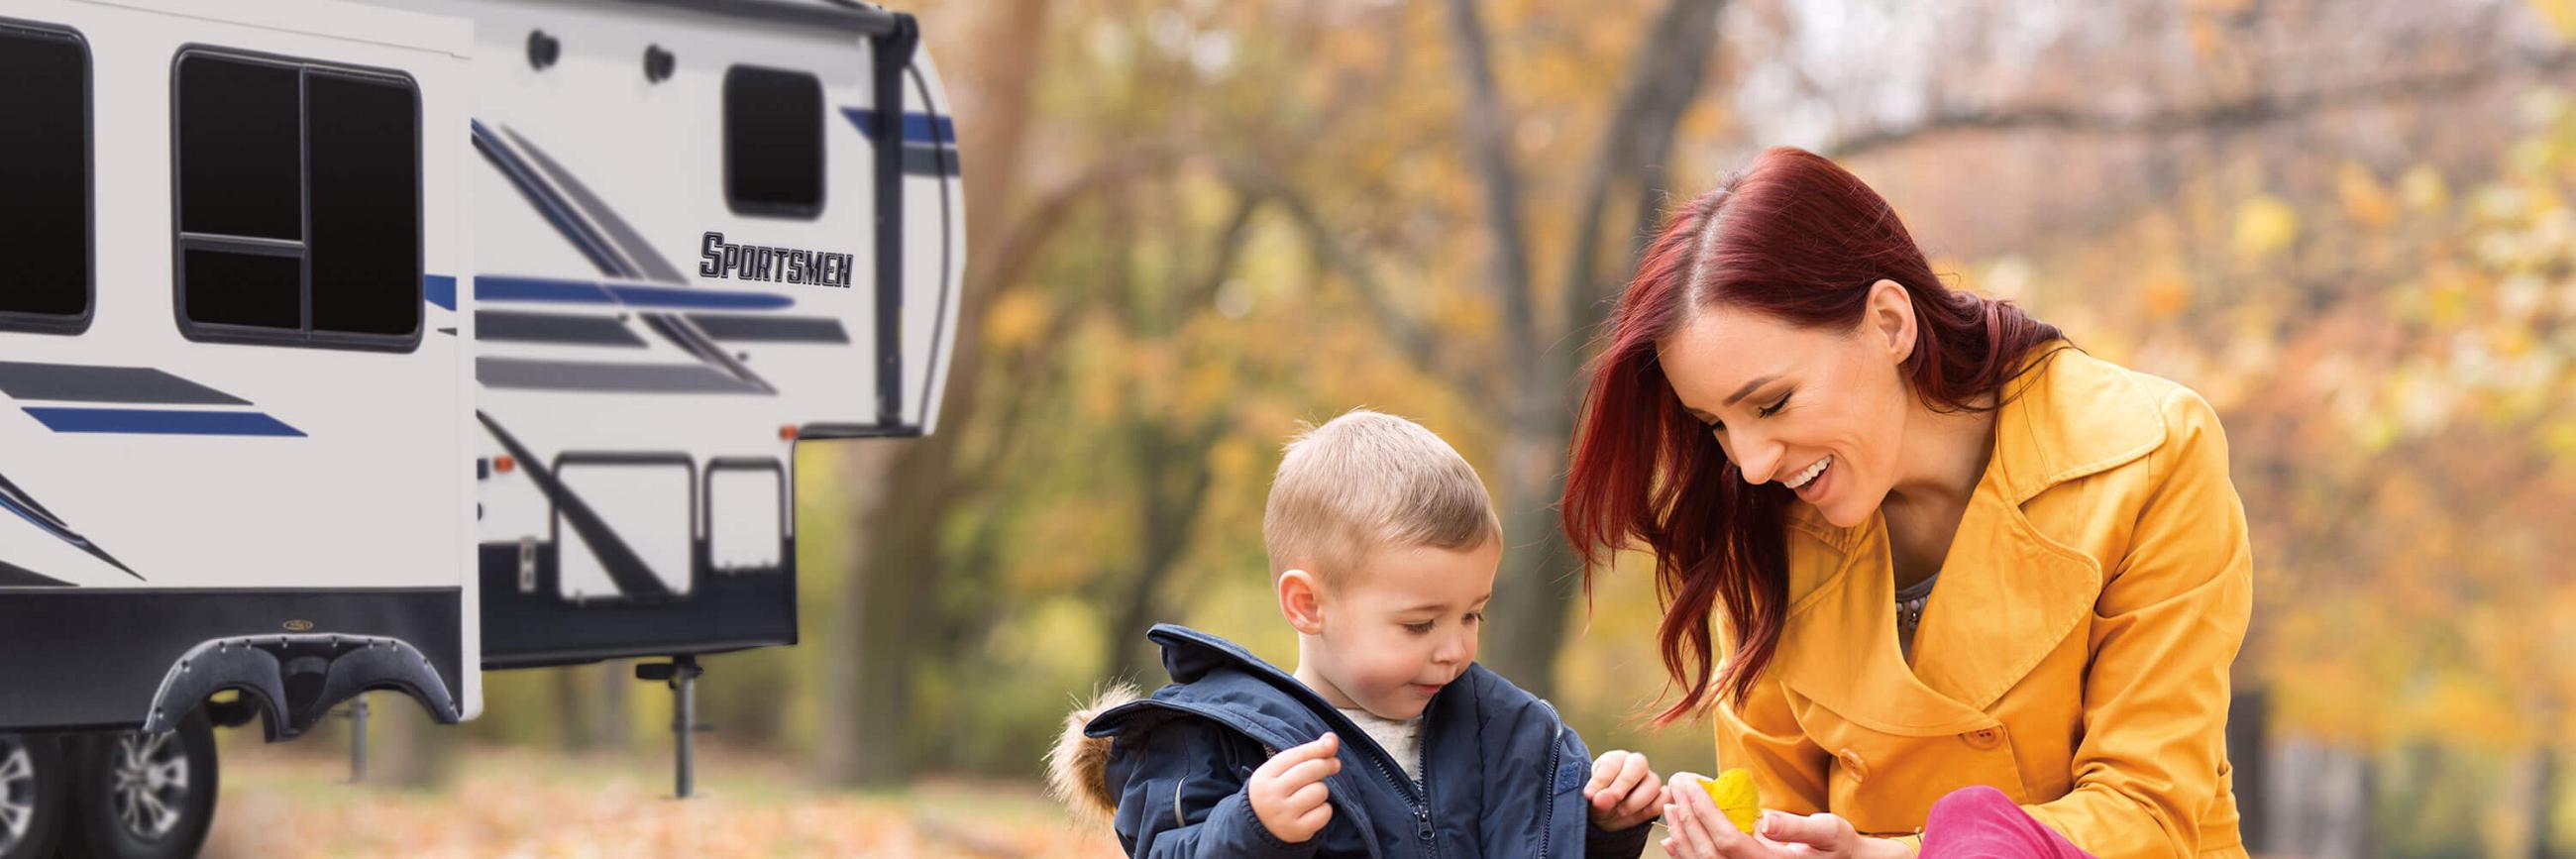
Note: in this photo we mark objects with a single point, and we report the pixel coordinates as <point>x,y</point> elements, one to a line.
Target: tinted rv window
<point>366,205</point>
<point>239,162</point>
<point>44,179</point>
<point>298,188</point>
<point>773,142</point>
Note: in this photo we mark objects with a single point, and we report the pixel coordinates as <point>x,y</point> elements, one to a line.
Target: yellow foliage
<point>2423,189</point>
<point>1015,318</point>
<point>2561,15</point>
<point>2165,293</point>
<point>2265,224</point>
<point>2363,197</point>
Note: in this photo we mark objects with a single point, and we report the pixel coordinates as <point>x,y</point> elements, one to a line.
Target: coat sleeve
<point>1181,795</point>
<point>2170,620</point>
<point>1599,843</point>
<point>1762,736</point>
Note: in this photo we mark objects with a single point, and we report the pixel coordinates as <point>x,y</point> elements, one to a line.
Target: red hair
<point>1797,238</point>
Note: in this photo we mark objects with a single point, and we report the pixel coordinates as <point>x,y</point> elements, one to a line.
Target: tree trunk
<point>869,692</point>
<point>1175,483</point>
<point>2248,720</point>
<point>575,722</point>
<point>2320,801</point>
<point>882,613</point>
<point>614,681</point>
<point>409,750</point>
<point>1539,577</point>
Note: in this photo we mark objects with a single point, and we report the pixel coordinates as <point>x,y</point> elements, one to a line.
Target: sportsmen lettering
<point>777,265</point>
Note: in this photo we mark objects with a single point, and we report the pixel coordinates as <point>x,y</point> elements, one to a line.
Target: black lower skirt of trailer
<point>527,623</point>
<point>84,658</point>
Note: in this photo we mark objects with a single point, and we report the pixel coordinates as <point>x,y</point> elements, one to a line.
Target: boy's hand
<point>1288,790</point>
<point>1623,792</point>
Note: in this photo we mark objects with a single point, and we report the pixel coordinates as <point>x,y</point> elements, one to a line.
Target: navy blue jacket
<point>1502,776</point>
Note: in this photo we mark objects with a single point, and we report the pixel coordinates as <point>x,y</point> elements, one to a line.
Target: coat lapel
<point>2008,593</point>
<point>1840,650</point>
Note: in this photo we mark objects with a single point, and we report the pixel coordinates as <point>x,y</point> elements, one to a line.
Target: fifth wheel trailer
<point>352,346</point>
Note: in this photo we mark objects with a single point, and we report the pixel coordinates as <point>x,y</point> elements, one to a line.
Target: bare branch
<point>1029,234</point>
<point>2250,111</point>
<point>1412,339</point>
<point>1666,78</point>
<point>1489,144</point>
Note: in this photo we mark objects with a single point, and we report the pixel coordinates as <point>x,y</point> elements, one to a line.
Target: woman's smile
<point>1810,484</point>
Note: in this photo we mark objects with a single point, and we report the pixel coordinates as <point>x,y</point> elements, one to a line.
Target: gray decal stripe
<point>87,384</point>
<point>569,328</point>
<point>928,161</point>
<point>17,501</point>
<point>593,376</point>
<point>557,211</point>
<point>774,329</point>
<point>628,241</point>
<point>681,331</point>
<point>624,567</point>
<point>14,576</point>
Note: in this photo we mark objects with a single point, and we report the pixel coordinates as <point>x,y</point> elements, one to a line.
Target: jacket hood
<point>1077,766</point>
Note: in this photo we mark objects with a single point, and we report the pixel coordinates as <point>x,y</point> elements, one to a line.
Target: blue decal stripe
<point>691,299</point>
<point>491,288</point>
<point>159,422</point>
<point>501,288</point>
<point>441,290</point>
<point>917,127</point>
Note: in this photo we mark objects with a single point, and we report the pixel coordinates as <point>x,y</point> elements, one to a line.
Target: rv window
<point>44,165</point>
<point>773,142</point>
<point>298,188</point>
<point>238,158</point>
<point>243,289</point>
<point>366,205</point>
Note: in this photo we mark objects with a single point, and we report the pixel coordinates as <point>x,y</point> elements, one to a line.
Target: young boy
<point>1388,740</point>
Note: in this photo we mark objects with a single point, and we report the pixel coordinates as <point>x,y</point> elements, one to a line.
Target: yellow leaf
<point>2363,197</point>
<point>2264,225</point>
<point>2422,188</point>
<point>1014,319</point>
<point>1735,796</point>
<point>2165,293</point>
<point>2561,15</point>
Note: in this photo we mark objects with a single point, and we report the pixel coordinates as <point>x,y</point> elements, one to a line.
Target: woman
<point>1949,558</point>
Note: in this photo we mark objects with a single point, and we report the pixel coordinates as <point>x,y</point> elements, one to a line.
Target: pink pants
<point>1982,823</point>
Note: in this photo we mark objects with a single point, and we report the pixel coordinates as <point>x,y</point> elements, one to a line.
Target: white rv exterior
<point>656,333</point>
<point>177,481</point>
<point>282,427</point>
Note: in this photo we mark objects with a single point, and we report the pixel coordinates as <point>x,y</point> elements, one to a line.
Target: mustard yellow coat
<point>2074,653</point>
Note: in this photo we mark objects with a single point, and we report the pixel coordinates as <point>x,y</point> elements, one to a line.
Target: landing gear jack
<point>682,674</point>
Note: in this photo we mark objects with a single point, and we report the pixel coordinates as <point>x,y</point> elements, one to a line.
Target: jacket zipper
<point>1417,796</point>
<point>1555,758</point>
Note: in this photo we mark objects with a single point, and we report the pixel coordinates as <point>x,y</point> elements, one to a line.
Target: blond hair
<point>1366,481</point>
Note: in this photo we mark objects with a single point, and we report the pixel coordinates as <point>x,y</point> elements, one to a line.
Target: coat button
<point>1852,763</point>
<point>1984,738</point>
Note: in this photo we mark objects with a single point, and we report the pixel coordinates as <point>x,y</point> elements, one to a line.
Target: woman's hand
<point>1698,831</point>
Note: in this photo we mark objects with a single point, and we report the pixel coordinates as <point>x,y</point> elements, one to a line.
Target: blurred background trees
<point>1197,223</point>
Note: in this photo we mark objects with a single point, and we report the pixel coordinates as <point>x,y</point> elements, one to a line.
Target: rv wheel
<point>32,795</point>
<point>144,796</point>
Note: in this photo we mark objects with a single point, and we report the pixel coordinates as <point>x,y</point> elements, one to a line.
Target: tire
<point>35,794</point>
<point>143,796</point>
